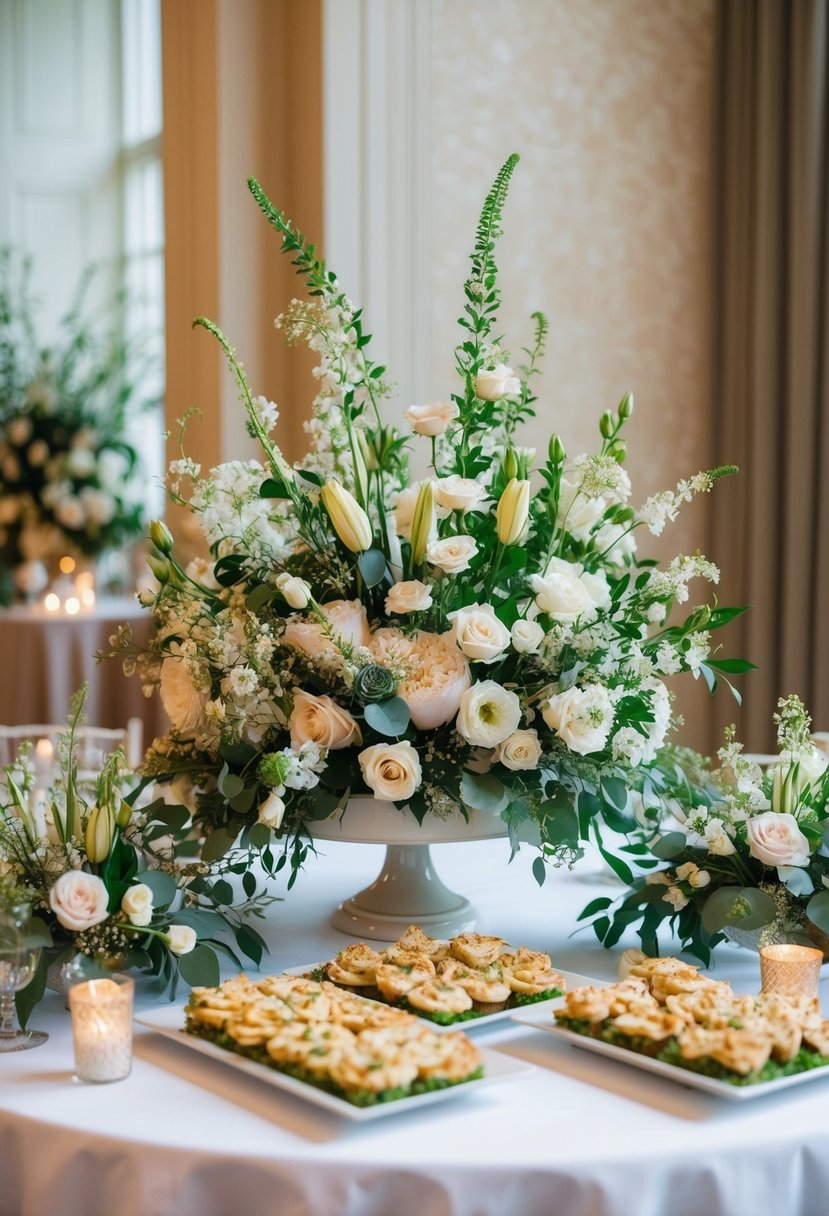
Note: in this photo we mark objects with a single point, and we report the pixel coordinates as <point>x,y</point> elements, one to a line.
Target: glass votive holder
<point>102,1027</point>
<point>790,970</point>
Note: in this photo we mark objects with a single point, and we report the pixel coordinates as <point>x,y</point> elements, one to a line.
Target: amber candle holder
<point>790,970</point>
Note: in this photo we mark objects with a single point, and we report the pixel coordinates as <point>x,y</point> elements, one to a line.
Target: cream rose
<point>431,419</point>
<point>183,702</point>
<point>137,904</point>
<point>776,840</point>
<point>272,811</point>
<point>581,717</point>
<point>562,594</point>
<point>79,900</point>
<point>409,596</point>
<point>477,631</point>
<point>347,618</point>
<point>500,382</point>
<point>488,714</point>
<point>453,554</point>
<point>391,770</point>
<point>322,721</point>
<point>526,636</point>
<point>457,493</point>
<point>520,751</point>
<point>181,939</point>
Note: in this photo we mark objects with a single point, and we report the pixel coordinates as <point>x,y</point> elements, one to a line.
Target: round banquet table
<point>578,1136</point>
<point>46,656</point>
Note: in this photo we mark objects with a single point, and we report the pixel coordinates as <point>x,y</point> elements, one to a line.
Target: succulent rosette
<point>484,637</point>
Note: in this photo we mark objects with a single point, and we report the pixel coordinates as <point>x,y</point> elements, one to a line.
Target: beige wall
<point>607,228</point>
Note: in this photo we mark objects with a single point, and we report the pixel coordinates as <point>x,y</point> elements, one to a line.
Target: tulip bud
<point>160,568</point>
<point>99,829</point>
<point>348,518</point>
<point>423,521</point>
<point>555,450</point>
<point>367,450</point>
<point>360,471</point>
<point>607,424</point>
<point>161,536</point>
<point>510,464</point>
<point>295,590</point>
<point>512,512</point>
<point>626,406</point>
<point>124,815</point>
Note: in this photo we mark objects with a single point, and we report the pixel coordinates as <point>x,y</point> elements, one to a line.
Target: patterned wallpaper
<point>607,227</point>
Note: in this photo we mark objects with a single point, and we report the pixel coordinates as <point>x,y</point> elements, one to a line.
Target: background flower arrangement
<point>104,882</point>
<point>746,848</point>
<point>69,480</point>
<point>484,637</point>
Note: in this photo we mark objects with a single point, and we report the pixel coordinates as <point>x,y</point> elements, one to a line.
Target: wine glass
<point>18,964</point>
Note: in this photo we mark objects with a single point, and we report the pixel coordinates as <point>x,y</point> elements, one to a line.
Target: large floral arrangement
<point>485,636</point>
<point>746,849</point>
<point>103,878</point>
<point>68,478</point>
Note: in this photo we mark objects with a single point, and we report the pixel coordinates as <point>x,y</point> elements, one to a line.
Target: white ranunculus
<point>79,900</point>
<point>183,702</point>
<point>137,904</point>
<point>294,590</point>
<point>272,811</point>
<point>577,513</point>
<point>181,939</point>
<point>409,596</point>
<point>581,717</point>
<point>322,721</point>
<point>391,770</point>
<point>488,714</point>
<point>561,593</point>
<point>457,493</point>
<point>811,765</point>
<point>453,554</point>
<point>477,631</point>
<point>527,636</point>
<point>431,419</point>
<point>776,840</point>
<point>500,382</point>
<point>520,751</point>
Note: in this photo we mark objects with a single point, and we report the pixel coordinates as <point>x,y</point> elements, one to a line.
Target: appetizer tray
<point>541,1019</point>
<point>571,978</point>
<point>169,1022</point>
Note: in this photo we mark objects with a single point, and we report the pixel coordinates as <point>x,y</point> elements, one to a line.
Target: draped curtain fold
<point>771,391</point>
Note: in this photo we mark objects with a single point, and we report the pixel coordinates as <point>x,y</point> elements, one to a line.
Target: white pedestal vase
<point>407,890</point>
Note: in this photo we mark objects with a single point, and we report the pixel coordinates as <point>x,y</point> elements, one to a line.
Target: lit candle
<point>102,1028</point>
<point>790,970</point>
<point>67,564</point>
<point>72,605</point>
<point>51,602</point>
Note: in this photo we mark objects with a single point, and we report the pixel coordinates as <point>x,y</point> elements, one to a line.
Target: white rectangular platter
<point>571,978</point>
<point>170,1020</point>
<point>540,1018</point>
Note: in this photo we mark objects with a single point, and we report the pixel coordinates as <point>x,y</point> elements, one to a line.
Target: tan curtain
<point>771,392</point>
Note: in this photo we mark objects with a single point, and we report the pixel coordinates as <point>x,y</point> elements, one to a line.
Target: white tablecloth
<point>580,1136</point>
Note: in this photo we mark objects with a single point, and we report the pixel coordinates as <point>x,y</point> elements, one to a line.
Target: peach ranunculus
<point>322,721</point>
<point>435,673</point>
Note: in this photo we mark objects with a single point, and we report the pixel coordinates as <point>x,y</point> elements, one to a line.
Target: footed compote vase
<point>408,890</point>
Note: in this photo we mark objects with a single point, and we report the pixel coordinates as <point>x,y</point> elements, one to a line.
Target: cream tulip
<point>423,521</point>
<point>348,518</point>
<point>512,512</point>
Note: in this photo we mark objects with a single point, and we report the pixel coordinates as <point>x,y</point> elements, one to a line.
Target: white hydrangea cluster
<point>236,519</point>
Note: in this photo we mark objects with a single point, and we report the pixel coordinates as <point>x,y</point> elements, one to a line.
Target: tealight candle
<point>790,970</point>
<point>102,1028</point>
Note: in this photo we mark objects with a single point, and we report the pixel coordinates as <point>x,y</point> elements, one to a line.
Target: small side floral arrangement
<point>485,637</point>
<point>69,479</point>
<point>746,847</point>
<point>103,881</point>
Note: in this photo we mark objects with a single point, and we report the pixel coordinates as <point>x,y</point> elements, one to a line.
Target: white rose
<point>137,904</point>
<point>181,939</point>
<point>477,631</point>
<point>488,714</point>
<point>294,590</point>
<point>521,750</point>
<point>391,770</point>
<point>776,840</point>
<point>562,594</point>
<point>272,811</point>
<point>409,596</point>
<point>431,419</point>
<point>453,554</point>
<point>581,717</point>
<point>183,702</point>
<point>79,900</point>
<point>457,493</point>
<point>527,636</point>
<point>577,513</point>
<point>597,588</point>
<point>320,720</point>
<point>616,541</point>
<point>500,382</point>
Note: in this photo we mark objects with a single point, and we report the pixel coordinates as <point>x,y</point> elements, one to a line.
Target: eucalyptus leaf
<point>217,844</point>
<point>740,907</point>
<point>231,785</point>
<point>668,846</point>
<point>539,870</point>
<point>259,597</point>
<point>817,911</point>
<point>796,880</point>
<point>163,886</point>
<point>200,968</point>
<point>205,922</point>
<point>390,717</point>
<point>372,565</point>
<point>484,792</point>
